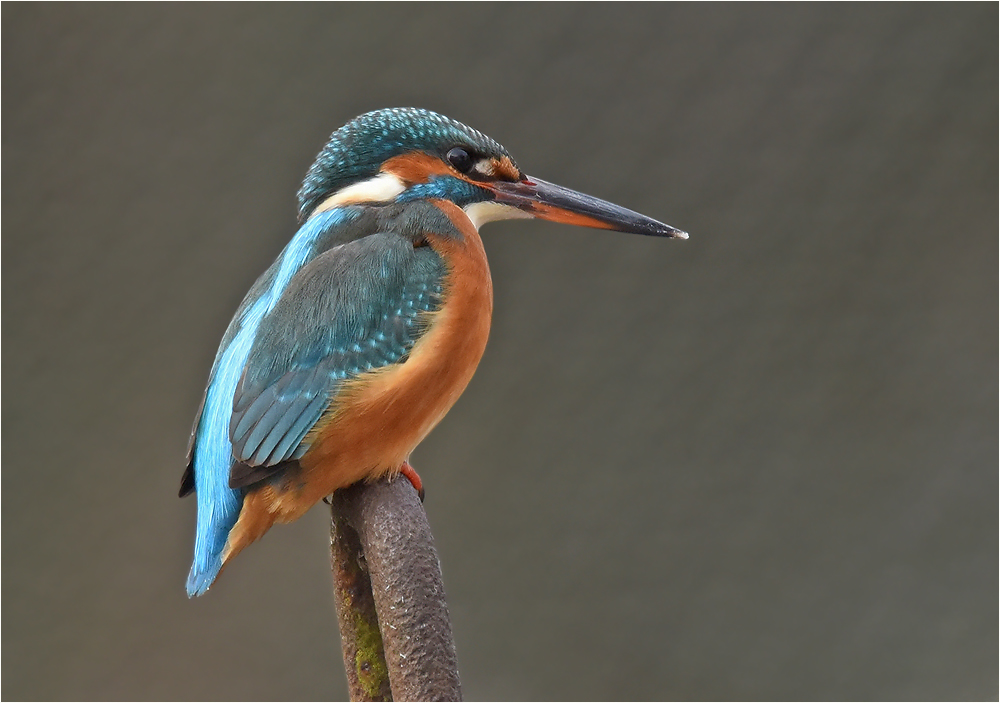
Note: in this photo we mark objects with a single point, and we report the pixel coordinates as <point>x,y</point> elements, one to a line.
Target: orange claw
<point>413,478</point>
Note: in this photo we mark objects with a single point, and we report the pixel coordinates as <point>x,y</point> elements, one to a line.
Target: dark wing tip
<point>242,475</point>
<point>187,482</point>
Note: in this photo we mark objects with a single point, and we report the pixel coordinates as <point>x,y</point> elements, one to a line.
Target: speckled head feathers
<point>357,150</point>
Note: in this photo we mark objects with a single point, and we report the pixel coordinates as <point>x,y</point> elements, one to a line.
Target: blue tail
<point>218,504</point>
<point>215,520</point>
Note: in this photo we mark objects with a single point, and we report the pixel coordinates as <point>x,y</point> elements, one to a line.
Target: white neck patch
<point>382,188</point>
<point>386,187</point>
<point>491,211</point>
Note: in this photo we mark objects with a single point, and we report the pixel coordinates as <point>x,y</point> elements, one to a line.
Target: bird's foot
<point>413,478</point>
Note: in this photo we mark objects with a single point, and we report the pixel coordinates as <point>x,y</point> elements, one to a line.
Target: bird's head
<point>401,154</point>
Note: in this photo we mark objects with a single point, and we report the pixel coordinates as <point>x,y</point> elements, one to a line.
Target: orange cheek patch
<point>505,169</point>
<point>415,167</point>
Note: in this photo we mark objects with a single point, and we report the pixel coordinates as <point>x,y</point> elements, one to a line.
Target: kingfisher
<point>364,332</point>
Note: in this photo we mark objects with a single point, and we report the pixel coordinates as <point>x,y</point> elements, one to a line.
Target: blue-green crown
<point>357,150</point>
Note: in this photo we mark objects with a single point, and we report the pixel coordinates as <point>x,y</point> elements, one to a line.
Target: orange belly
<point>378,418</point>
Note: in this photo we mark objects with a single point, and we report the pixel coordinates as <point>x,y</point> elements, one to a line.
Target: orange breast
<point>378,418</point>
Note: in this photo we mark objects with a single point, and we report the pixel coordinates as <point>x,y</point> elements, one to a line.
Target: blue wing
<point>354,308</point>
<point>346,295</point>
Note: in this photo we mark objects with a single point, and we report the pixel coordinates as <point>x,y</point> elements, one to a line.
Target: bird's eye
<point>460,159</point>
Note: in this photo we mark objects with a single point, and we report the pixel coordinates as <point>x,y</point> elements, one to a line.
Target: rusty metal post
<point>391,605</point>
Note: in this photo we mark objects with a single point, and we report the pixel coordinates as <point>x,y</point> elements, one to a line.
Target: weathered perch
<point>394,625</point>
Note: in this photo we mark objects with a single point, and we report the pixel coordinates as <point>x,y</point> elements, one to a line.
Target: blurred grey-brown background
<point>758,464</point>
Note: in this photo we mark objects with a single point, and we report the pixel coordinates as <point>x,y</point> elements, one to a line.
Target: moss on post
<point>360,637</point>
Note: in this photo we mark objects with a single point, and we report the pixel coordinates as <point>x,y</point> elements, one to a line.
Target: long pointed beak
<point>548,201</point>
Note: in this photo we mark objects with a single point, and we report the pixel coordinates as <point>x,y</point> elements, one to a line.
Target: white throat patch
<point>489,211</point>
